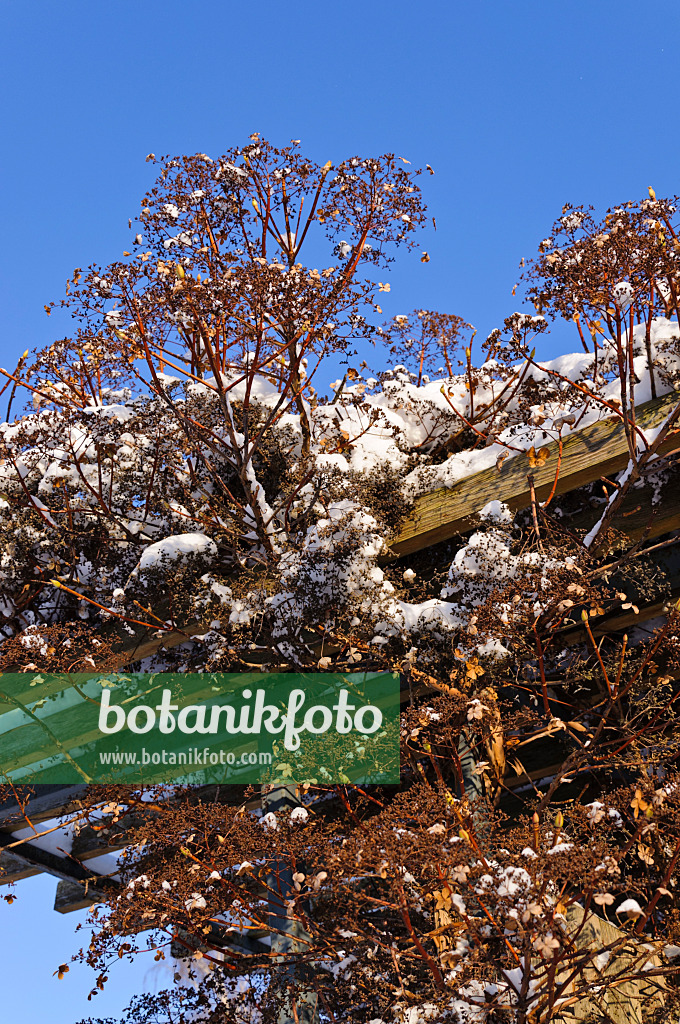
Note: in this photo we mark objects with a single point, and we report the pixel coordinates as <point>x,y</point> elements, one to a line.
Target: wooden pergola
<point>584,457</point>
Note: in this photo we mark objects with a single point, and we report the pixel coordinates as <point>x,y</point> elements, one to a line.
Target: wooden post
<point>299,1002</point>
<point>624,1002</point>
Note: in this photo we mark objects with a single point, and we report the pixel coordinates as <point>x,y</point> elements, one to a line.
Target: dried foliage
<point>177,473</point>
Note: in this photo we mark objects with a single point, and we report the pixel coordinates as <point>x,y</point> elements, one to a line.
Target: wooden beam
<point>149,642</point>
<point>64,867</point>
<point>13,868</point>
<point>587,455</point>
<point>90,843</point>
<point>603,625</point>
<point>603,990</point>
<point>645,512</point>
<point>42,802</point>
<point>72,896</point>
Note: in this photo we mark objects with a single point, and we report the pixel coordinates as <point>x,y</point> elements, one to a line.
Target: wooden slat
<point>587,455</point>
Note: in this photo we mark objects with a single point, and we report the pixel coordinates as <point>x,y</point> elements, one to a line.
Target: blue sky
<point>35,940</point>
<point>519,107</point>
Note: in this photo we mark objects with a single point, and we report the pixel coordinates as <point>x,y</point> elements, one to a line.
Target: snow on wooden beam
<point>64,867</point>
<point>587,455</point>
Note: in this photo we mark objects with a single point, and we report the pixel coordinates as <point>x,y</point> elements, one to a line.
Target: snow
<point>496,512</point>
<point>115,318</point>
<point>561,848</point>
<point>332,561</point>
<point>182,545</point>
<point>602,959</point>
<point>630,907</point>
<point>58,839</point>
